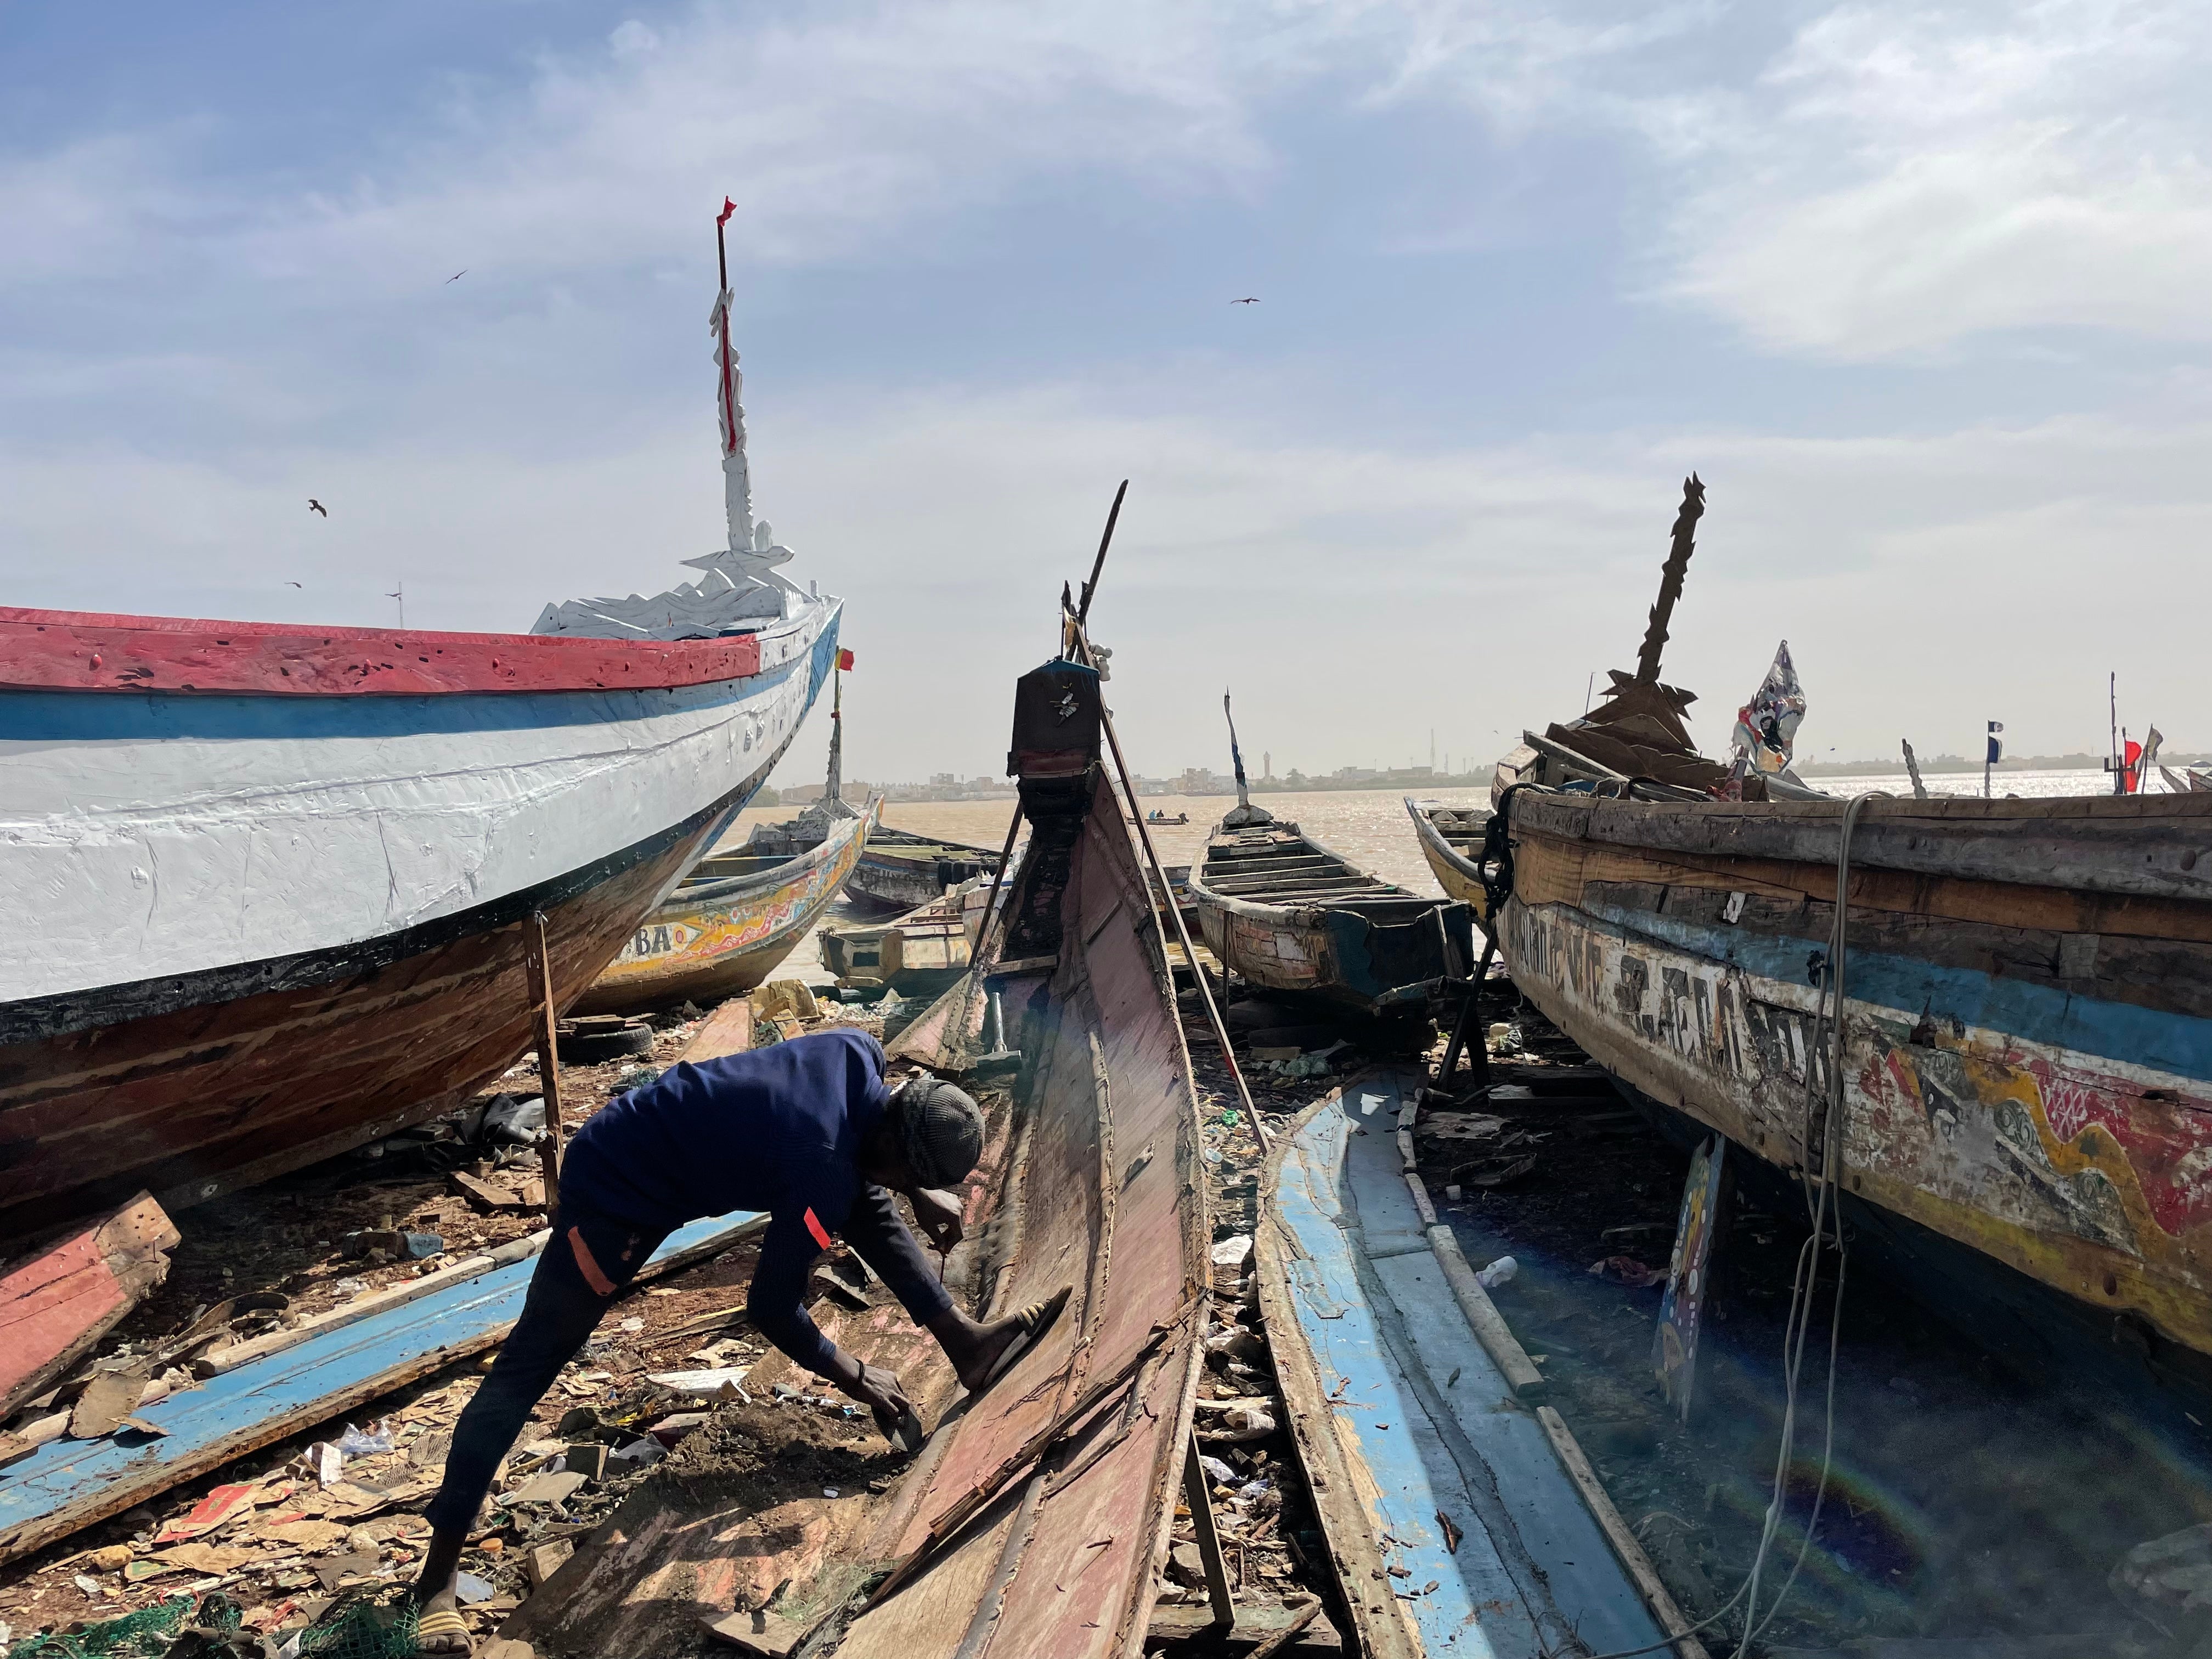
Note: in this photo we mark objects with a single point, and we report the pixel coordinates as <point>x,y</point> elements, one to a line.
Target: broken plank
<point>68,1485</point>
<point>55,1306</point>
<point>1192,1624</point>
<point>727,1030</point>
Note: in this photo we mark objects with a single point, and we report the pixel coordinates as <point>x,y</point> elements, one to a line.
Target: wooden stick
<point>1682,544</point>
<point>549,1053</point>
<point>1200,1503</point>
<point>1113,515</point>
<point>1289,1633</point>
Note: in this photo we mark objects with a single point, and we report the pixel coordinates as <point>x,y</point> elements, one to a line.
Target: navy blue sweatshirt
<point>778,1129</point>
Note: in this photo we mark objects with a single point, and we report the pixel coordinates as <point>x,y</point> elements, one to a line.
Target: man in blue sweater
<point>805,1130</point>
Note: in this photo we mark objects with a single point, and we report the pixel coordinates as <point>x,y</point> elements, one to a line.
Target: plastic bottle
<point>1499,1271</point>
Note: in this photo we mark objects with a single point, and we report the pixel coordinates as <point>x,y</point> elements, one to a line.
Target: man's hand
<point>883,1393</point>
<point>938,1214</point>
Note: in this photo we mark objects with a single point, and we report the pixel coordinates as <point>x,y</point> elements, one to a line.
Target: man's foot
<point>994,1347</point>
<point>441,1629</point>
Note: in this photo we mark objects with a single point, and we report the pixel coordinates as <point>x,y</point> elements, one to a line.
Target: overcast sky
<point>1921,292</point>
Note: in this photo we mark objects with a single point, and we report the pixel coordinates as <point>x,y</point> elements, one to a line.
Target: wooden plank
<point>1483,1318</point>
<point>1200,1502</point>
<point>56,1305</point>
<point>1630,1554</point>
<point>545,1019</point>
<point>67,1485</point>
<point>88,651</point>
<point>2148,845</point>
<point>1258,1632</point>
<point>727,1030</point>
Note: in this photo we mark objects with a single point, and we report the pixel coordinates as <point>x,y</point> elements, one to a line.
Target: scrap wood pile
<point>305,1529</point>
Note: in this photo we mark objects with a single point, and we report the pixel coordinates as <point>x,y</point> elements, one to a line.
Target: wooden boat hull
<point>2028,1032</point>
<point>1355,942</point>
<point>286,922</point>
<point>902,871</point>
<point>920,955</point>
<point>715,939</point>
<point>1449,836</point>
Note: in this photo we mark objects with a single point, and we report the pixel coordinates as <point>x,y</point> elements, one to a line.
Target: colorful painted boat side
<point>2028,1064</point>
<point>720,935</point>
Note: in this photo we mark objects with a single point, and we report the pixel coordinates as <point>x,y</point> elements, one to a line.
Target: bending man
<point>805,1130</point>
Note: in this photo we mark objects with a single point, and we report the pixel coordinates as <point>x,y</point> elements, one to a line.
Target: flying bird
<point>457,276</point>
<point>314,505</point>
<point>1249,300</point>
<point>291,584</point>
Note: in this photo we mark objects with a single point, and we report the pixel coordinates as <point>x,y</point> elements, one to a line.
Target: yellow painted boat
<point>724,930</point>
<point>1451,836</point>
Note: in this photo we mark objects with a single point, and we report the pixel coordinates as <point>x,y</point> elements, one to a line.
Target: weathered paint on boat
<point>261,924</point>
<point>1448,835</point>
<point>67,1484</point>
<point>725,929</point>
<point>921,953</point>
<point>1284,912</point>
<point>2028,1032</point>
<point>901,871</point>
<point>1403,1420</point>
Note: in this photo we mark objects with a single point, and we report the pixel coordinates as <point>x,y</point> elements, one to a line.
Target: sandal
<point>1034,1321</point>
<point>445,1621</point>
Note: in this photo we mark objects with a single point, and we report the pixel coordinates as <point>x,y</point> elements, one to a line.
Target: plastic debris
<point>1237,1424</point>
<point>1221,1475</point>
<point>370,1442</point>
<point>2172,1572</point>
<point>1627,1270</point>
<point>1234,1251</point>
<point>470,1589</point>
<point>1499,1271</point>
<point>517,1122</point>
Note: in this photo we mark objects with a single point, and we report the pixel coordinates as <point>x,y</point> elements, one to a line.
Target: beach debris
<point>1500,1272</point>
<point>55,1306</point>
<point>2172,1572</point>
<point>1233,1251</point>
<point>113,1395</point>
<point>1627,1270</point>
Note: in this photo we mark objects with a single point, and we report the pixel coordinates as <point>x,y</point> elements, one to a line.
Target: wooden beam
<point>727,1030</point>
<point>1200,1501</point>
<point>55,1306</point>
<point>547,1019</point>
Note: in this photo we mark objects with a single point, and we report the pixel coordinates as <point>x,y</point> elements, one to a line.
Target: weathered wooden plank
<point>727,1030</point>
<point>2150,844</point>
<point>57,1304</point>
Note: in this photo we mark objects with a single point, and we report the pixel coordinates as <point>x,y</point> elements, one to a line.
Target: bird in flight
<point>457,276</point>
<point>291,584</point>
<point>314,505</point>
<point>1250,300</point>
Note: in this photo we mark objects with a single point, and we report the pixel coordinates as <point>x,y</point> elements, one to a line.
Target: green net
<point>144,1634</point>
<point>380,1626</point>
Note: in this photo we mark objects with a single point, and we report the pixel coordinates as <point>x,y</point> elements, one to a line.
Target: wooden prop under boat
<point>726,926</point>
<point>1451,838</point>
<point>269,884</point>
<point>1284,912</point>
<point>2027,1077</point>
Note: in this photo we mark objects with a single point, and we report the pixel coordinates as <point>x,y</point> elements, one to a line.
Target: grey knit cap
<point>941,1130</point>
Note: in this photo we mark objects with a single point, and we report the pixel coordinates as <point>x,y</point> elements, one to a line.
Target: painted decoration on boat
<point>1681,1310</point>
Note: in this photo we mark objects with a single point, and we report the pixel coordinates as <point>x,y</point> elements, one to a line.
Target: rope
<point>1824,1112</point>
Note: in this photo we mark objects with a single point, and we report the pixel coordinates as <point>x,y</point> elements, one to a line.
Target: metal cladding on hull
<point>2028,1050</point>
<point>713,939</point>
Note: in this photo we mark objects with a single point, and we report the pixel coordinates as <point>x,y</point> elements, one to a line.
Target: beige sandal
<point>1034,1319</point>
<point>444,1621</point>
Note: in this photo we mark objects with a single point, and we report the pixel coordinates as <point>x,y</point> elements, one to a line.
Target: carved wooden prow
<point>1670,579</point>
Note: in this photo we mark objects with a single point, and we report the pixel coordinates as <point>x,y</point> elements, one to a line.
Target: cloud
<point>1900,178</point>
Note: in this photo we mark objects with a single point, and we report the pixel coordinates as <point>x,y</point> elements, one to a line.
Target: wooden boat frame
<point>1455,872</point>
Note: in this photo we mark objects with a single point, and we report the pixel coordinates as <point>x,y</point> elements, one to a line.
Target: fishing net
<point>144,1634</point>
<point>379,1626</point>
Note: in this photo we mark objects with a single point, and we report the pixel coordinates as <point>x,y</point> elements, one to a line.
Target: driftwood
<point>1670,579</point>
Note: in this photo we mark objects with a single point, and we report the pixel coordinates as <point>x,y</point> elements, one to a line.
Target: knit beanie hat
<point>939,1129</point>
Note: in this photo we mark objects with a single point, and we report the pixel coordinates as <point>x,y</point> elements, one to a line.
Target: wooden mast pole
<point>1670,579</point>
<point>540,963</point>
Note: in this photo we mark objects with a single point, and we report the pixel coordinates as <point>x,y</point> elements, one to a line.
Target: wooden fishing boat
<point>270,884</point>
<point>901,871</point>
<point>2025,1075</point>
<point>1451,839</point>
<point>1074,1459</point>
<point>1282,911</point>
<point>725,928</point>
<point>918,954</point>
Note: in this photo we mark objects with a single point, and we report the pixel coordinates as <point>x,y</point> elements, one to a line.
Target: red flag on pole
<point>2131,781</point>
<point>723,217</point>
<point>845,660</point>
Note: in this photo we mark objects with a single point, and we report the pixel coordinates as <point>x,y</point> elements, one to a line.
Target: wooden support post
<point>1467,1034</point>
<point>1209,1537</point>
<point>549,1053</point>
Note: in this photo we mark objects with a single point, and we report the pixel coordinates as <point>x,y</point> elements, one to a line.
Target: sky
<point>1919,291</point>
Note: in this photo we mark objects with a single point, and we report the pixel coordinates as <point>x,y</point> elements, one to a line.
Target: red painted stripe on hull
<point>85,651</point>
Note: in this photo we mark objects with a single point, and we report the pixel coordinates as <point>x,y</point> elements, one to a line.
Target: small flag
<point>2131,769</point>
<point>723,217</point>
<point>1996,748</point>
<point>845,660</point>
